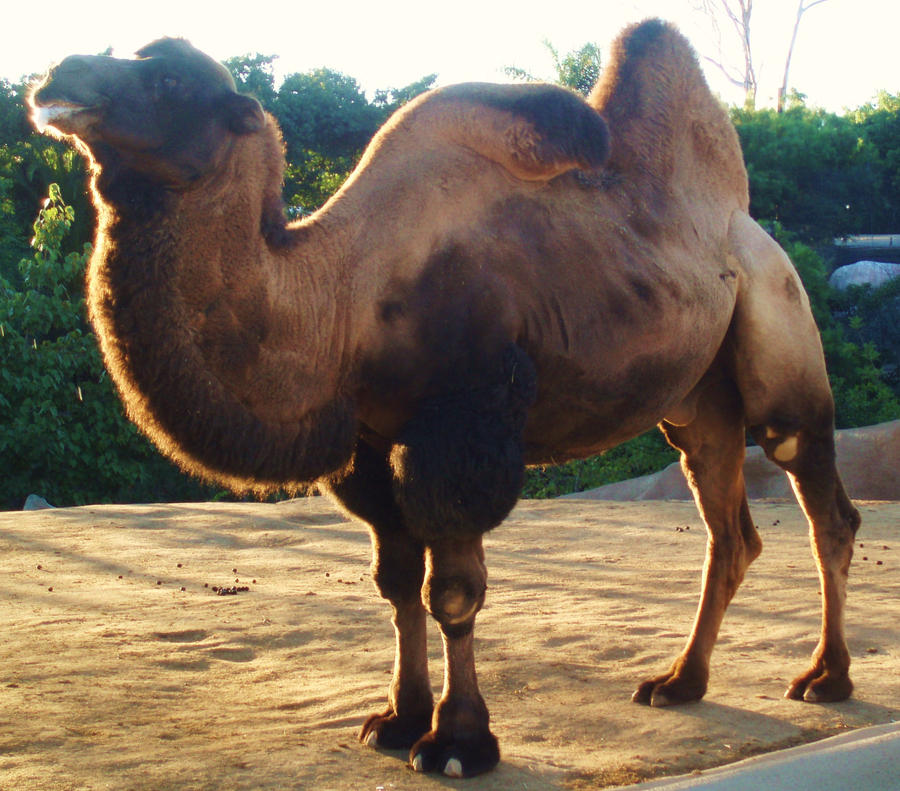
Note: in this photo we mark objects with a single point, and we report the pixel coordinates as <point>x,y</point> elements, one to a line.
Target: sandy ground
<point>121,669</point>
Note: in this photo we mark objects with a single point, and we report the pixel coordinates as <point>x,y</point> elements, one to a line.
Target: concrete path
<point>867,759</point>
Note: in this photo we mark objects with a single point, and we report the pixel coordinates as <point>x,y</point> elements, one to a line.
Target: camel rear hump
<point>668,134</point>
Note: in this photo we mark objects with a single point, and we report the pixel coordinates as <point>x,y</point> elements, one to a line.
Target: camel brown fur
<point>512,275</point>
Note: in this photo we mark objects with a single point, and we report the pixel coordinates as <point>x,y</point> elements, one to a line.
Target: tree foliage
<point>820,174</point>
<point>578,69</point>
<point>255,74</point>
<point>29,163</point>
<point>63,433</point>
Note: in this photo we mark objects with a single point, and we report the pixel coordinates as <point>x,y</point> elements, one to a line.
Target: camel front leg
<point>460,743</point>
<point>398,569</point>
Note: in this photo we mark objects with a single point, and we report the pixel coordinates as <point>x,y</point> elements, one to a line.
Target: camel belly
<point>580,415</point>
<point>607,385</point>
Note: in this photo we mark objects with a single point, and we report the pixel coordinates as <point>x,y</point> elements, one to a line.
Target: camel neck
<point>193,305</point>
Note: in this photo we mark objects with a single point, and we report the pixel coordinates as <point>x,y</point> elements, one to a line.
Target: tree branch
<point>801,9</point>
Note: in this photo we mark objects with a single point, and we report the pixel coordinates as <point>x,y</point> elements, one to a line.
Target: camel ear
<point>242,114</point>
<point>536,131</point>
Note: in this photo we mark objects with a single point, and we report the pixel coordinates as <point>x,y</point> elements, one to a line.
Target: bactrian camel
<point>512,275</point>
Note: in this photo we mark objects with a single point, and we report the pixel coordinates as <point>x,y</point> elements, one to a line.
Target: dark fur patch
<point>566,123</point>
<point>569,128</point>
<point>643,38</point>
<point>458,464</point>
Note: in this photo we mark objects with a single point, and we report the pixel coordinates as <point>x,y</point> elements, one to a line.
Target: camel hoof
<point>668,691</point>
<point>823,689</point>
<point>643,694</point>
<point>660,699</point>
<point>390,731</point>
<point>455,757</point>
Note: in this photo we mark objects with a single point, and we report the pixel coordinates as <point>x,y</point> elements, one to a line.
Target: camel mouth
<point>57,115</point>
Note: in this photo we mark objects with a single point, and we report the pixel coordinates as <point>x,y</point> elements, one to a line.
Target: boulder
<point>35,502</point>
<point>868,459</point>
<point>872,273</point>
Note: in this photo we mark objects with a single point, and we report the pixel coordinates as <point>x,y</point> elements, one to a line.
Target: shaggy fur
<point>512,275</point>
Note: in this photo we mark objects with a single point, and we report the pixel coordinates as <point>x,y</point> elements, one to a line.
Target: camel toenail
<point>453,768</point>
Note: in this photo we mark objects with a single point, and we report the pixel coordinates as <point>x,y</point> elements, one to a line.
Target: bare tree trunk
<point>782,91</point>
<point>739,18</point>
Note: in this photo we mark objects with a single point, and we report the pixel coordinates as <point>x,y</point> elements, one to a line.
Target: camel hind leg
<point>779,368</point>
<point>712,448</point>
<point>807,455</point>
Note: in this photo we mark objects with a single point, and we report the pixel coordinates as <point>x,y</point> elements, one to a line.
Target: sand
<point>121,669</point>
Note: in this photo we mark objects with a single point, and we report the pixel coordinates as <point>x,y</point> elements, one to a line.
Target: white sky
<point>847,50</point>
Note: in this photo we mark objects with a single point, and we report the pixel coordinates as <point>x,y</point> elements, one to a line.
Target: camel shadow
<point>760,733</point>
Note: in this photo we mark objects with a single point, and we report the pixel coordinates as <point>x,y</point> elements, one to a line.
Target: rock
<point>868,459</point>
<point>872,273</point>
<point>35,503</point>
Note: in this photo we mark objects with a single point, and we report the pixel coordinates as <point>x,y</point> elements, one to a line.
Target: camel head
<point>169,114</point>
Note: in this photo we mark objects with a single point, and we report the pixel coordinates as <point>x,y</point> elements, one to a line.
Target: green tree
<point>63,433</point>
<point>326,112</point>
<point>871,317</point>
<point>578,69</point>
<point>390,99</point>
<point>879,126</point>
<point>809,170</point>
<point>255,74</point>
<point>29,163</point>
<point>14,124</point>
<point>862,395</point>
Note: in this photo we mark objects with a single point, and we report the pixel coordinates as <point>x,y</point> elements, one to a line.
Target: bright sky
<point>847,50</point>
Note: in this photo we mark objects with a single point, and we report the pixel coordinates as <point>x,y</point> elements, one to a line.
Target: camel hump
<point>664,121</point>
<point>535,131</point>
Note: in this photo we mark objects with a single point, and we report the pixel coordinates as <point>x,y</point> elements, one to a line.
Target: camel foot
<point>390,731</point>
<point>463,757</point>
<point>814,686</point>
<point>669,689</point>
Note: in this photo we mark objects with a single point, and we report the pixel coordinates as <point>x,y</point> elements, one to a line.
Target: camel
<point>511,276</point>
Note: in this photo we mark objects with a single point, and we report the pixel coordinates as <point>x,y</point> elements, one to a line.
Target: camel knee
<point>397,585</point>
<point>455,586</point>
<point>454,602</point>
<point>797,450</point>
